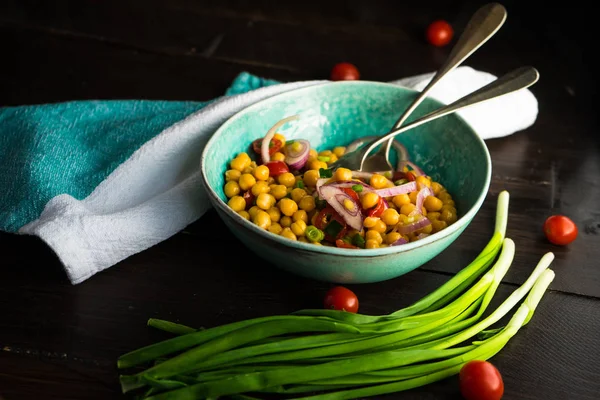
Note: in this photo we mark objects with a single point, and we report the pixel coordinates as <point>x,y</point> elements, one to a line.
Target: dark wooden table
<point>59,341</point>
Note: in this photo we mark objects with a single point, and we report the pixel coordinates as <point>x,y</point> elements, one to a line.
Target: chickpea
<point>288,206</point>
<point>438,225</point>
<point>400,199</point>
<point>378,181</point>
<point>369,200</point>
<point>310,177</point>
<point>436,187</point>
<point>274,213</point>
<point>244,214</point>
<point>423,181</point>
<point>339,151</point>
<point>278,156</point>
<point>237,203</point>
<point>432,203</point>
<point>262,219</point>
<point>374,235</point>
<point>253,210</point>
<point>285,221</point>
<point>298,227</point>
<point>371,244</point>
<point>413,196</point>
<point>261,173</point>
<point>307,203</point>
<point>231,189</point>
<point>390,216</point>
<point>265,201</point>
<point>392,237</point>
<point>240,162</point>
<point>342,174</point>
<point>316,164</point>
<point>278,191</point>
<point>380,226</point>
<point>300,215</point>
<point>433,215</point>
<point>260,187</point>
<point>407,208</point>
<point>275,228</point>
<point>370,222</point>
<point>287,233</point>
<point>298,194</point>
<point>232,175</point>
<point>287,179</point>
<point>448,215</point>
<point>246,181</point>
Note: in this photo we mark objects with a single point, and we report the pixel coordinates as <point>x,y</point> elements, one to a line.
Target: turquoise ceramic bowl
<point>335,114</point>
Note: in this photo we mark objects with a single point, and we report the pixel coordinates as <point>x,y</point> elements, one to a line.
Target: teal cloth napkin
<point>51,149</point>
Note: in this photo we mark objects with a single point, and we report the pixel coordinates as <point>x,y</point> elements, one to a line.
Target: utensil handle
<point>518,79</point>
<point>483,24</point>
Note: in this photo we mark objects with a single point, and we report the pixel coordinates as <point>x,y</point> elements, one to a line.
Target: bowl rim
<point>331,250</point>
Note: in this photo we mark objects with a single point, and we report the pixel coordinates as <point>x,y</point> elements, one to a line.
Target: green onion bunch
<point>328,354</point>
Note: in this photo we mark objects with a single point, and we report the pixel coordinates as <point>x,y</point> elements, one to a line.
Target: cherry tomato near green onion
<point>345,72</point>
<point>341,298</point>
<point>560,230</point>
<point>481,380</point>
<point>439,33</point>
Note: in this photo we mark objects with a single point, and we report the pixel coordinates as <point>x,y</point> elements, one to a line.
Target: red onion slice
<point>418,170</point>
<point>415,226</point>
<point>297,159</point>
<point>396,190</point>
<point>349,184</point>
<point>421,196</point>
<point>399,242</point>
<point>336,198</point>
<point>264,147</point>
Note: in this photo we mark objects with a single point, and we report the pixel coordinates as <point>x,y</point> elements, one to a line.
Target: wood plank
<point>53,68</point>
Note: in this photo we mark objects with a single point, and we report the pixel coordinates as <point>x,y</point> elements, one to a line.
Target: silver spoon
<point>518,79</point>
<point>483,24</point>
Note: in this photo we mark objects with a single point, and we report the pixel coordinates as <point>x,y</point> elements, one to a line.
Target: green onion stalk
<point>420,366</point>
<point>424,342</point>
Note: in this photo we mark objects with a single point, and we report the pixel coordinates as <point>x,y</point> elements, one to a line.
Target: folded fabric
<point>99,181</point>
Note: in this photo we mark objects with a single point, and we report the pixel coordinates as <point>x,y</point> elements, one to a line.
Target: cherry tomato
<point>341,298</point>
<point>345,72</point>
<point>378,209</point>
<point>481,380</point>
<point>277,168</point>
<point>249,197</point>
<point>340,243</point>
<point>560,230</point>
<point>439,33</point>
<point>350,192</point>
<point>327,215</point>
<point>411,176</point>
<point>274,146</point>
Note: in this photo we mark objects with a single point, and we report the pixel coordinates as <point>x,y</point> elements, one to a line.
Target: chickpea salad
<point>287,188</point>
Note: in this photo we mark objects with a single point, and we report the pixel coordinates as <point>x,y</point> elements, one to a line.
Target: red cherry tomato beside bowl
<point>560,230</point>
<point>439,33</point>
<point>345,72</point>
<point>341,298</point>
<point>481,380</point>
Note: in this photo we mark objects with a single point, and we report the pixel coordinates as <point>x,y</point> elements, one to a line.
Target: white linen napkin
<point>157,192</point>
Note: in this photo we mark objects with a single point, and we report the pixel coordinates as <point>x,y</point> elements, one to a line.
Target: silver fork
<point>483,24</point>
<point>518,79</point>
